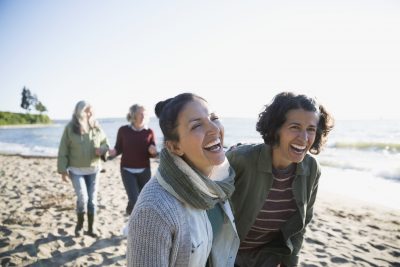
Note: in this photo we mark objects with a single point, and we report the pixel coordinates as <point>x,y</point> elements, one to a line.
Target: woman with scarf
<point>182,216</point>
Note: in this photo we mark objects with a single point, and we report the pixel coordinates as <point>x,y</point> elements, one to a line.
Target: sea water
<point>361,158</point>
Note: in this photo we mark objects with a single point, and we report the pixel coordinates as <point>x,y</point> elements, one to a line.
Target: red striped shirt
<point>278,207</point>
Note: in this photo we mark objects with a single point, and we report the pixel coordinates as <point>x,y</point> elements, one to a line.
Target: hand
<point>64,177</point>
<point>112,152</point>
<point>234,147</point>
<point>98,152</point>
<point>152,150</point>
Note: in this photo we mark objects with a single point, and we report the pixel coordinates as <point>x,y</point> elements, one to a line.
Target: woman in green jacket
<point>276,182</point>
<point>82,144</point>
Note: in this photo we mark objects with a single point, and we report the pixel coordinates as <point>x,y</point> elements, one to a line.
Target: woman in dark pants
<point>136,143</point>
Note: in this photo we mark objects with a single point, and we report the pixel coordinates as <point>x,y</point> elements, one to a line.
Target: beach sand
<point>38,220</point>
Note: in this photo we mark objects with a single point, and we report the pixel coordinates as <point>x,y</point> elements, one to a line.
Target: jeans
<point>133,183</point>
<point>86,191</point>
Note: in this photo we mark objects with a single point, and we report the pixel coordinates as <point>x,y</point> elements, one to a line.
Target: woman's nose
<point>214,127</point>
<point>303,135</point>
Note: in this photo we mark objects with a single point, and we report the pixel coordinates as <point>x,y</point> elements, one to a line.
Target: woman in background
<point>277,181</point>
<point>82,144</point>
<point>136,143</point>
<point>169,225</point>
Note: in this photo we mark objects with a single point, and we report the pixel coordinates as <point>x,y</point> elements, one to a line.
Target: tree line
<point>28,101</point>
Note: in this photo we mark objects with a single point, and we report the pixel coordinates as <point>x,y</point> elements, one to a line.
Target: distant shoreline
<point>2,153</point>
<point>34,125</point>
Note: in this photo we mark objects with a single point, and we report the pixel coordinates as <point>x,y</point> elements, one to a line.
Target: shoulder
<point>311,162</point>
<point>245,148</point>
<point>98,130</point>
<point>155,199</point>
<point>244,151</point>
<point>149,131</point>
<point>311,167</point>
<point>68,128</point>
<point>68,125</point>
<point>123,128</point>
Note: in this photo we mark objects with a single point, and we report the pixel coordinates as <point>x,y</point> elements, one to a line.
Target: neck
<point>278,161</point>
<point>137,127</point>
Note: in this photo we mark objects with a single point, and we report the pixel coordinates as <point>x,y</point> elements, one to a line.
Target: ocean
<point>361,159</point>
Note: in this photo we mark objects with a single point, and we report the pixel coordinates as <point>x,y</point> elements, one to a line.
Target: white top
<point>201,236</point>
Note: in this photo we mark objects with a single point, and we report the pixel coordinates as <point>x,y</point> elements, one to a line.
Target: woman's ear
<point>174,147</point>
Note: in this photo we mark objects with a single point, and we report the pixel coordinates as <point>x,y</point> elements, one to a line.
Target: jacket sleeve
<point>235,163</point>
<point>149,239</point>
<point>311,202</point>
<point>104,145</point>
<point>153,138</point>
<point>297,239</point>
<point>63,153</point>
<point>152,141</point>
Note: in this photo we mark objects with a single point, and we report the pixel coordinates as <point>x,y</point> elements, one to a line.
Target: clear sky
<point>236,54</point>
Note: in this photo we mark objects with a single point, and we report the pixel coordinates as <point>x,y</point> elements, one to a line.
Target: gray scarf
<point>188,190</point>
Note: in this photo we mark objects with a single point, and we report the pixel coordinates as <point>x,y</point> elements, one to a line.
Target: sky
<point>236,54</point>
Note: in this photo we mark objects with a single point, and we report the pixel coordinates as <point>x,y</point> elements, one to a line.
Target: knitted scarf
<point>191,186</point>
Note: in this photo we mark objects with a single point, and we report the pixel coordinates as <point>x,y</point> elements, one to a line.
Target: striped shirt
<point>278,207</point>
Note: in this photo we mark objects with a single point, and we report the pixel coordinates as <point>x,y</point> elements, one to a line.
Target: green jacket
<point>80,150</point>
<point>253,167</point>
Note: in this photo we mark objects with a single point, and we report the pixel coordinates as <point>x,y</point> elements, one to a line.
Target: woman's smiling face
<point>296,136</point>
<point>201,137</point>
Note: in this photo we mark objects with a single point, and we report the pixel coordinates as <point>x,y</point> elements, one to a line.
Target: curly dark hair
<point>271,119</point>
<point>168,111</point>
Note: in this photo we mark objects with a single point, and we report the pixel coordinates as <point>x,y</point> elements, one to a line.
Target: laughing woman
<point>182,216</point>
<point>276,182</point>
<point>82,144</point>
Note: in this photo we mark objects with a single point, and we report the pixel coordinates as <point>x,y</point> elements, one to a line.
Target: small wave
<point>377,146</point>
<point>24,150</point>
<point>379,171</point>
<point>391,175</point>
<point>342,165</point>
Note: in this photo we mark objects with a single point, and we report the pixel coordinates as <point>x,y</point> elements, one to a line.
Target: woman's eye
<point>195,126</point>
<point>295,127</point>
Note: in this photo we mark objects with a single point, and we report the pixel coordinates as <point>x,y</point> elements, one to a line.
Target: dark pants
<point>256,258</point>
<point>133,183</point>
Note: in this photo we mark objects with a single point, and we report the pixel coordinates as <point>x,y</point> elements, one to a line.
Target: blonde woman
<point>136,143</point>
<point>82,144</point>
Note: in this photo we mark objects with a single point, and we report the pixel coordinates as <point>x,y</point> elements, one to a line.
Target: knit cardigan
<point>158,214</point>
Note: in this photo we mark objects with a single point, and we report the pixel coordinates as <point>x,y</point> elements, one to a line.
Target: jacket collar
<point>264,163</point>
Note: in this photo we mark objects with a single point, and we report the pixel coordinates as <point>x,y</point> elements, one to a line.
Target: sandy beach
<point>38,220</point>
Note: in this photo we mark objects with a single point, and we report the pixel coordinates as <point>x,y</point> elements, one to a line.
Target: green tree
<point>31,100</point>
<point>26,100</point>
<point>40,107</point>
